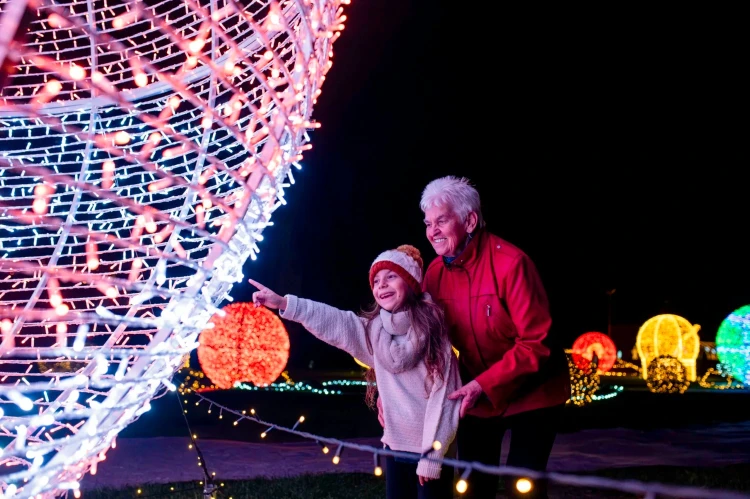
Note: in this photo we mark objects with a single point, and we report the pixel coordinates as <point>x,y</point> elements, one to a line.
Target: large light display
<point>246,343</point>
<point>593,343</point>
<point>670,335</point>
<point>733,344</point>
<point>144,146</point>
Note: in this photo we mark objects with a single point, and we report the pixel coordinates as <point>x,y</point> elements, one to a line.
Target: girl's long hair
<point>427,319</point>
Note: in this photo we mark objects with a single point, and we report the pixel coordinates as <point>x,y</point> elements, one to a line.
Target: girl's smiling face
<point>389,290</point>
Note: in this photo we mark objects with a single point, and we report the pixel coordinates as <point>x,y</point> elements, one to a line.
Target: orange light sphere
<point>592,343</point>
<point>248,344</point>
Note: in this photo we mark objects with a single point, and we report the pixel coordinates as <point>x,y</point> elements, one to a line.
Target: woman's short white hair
<point>458,193</point>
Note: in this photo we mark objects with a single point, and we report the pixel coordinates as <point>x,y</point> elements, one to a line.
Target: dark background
<point>607,144</point>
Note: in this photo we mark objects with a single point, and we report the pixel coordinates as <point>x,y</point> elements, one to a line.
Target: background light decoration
<point>588,344</point>
<point>247,343</point>
<point>671,335</point>
<point>667,375</point>
<point>584,383</point>
<point>143,149</point>
<point>733,344</point>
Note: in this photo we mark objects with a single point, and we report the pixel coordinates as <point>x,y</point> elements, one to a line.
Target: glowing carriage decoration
<point>669,335</point>
<point>143,148</point>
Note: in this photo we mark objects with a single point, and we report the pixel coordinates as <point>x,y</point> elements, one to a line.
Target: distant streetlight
<point>609,312</point>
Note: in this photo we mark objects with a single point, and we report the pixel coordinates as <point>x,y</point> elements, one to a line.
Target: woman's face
<point>389,290</point>
<point>445,231</point>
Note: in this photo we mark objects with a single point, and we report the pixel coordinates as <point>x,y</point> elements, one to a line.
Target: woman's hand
<point>267,297</point>
<point>469,393</point>
<point>424,479</point>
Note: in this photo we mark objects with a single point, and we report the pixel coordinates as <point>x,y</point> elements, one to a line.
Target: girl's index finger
<point>257,284</point>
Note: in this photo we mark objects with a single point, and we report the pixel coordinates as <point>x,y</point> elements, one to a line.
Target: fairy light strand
<point>630,486</point>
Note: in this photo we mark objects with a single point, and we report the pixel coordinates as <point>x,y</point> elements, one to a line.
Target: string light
<point>720,370</point>
<point>583,383</point>
<point>102,243</point>
<point>337,457</point>
<point>377,470</point>
<point>462,485</point>
<point>524,485</point>
<point>630,486</point>
<point>623,368</point>
<point>298,422</point>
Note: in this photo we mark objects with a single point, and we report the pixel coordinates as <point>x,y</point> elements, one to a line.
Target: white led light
<point>108,271</point>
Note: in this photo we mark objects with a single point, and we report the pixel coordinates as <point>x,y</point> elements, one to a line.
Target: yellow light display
<point>666,375</point>
<point>583,383</point>
<point>671,335</point>
<point>730,381</point>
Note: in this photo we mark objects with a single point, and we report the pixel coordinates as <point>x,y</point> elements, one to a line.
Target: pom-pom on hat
<point>406,261</point>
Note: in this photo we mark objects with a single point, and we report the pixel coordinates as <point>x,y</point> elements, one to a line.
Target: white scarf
<point>397,346</point>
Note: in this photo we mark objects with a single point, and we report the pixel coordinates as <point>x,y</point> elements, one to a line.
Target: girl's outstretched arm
<point>342,329</point>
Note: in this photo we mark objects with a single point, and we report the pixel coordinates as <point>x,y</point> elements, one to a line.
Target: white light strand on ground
<point>648,489</point>
<point>144,146</point>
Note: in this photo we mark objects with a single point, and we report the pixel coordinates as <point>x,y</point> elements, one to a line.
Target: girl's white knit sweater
<point>414,418</point>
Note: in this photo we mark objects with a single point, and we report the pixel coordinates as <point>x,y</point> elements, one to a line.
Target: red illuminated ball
<point>592,343</point>
<point>248,344</point>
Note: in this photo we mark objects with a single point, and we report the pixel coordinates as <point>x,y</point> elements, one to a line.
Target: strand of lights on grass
<point>523,484</point>
<point>285,387</point>
<point>616,390</point>
<point>730,382</point>
<point>209,486</point>
<point>173,491</point>
<point>196,380</point>
<point>347,382</point>
<point>137,174</point>
<point>630,369</point>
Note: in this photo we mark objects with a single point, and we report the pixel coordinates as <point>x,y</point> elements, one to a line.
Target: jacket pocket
<point>494,320</point>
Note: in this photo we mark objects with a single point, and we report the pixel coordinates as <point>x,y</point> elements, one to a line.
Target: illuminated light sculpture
<point>247,343</point>
<point>588,344</point>
<point>143,148</point>
<point>667,375</point>
<point>733,344</point>
<point>671,335</point>
<point>584,383</point>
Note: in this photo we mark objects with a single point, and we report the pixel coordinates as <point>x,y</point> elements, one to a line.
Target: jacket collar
<point>469,255</point>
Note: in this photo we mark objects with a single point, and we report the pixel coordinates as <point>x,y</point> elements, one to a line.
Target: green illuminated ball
<point>733,343</point>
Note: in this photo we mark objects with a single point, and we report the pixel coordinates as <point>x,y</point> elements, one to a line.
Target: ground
<point>701,438</point>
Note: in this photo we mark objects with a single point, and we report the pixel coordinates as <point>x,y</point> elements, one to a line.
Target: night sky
<point>607,151</point>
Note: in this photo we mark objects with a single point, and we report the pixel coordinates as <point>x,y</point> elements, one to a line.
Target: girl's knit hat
<point>406,261</point>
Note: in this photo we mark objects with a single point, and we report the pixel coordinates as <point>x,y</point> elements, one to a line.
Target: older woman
<point>499,321</point>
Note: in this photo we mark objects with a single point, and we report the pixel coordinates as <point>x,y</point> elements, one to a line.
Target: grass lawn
<point>366,486</point>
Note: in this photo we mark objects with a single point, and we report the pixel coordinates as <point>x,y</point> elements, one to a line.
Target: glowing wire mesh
<point>143,148</point>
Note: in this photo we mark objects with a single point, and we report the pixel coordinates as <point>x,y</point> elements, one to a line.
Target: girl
<point>404,337</point>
